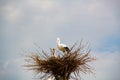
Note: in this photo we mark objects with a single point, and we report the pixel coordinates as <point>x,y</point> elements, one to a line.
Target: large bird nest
<point>63,66</point>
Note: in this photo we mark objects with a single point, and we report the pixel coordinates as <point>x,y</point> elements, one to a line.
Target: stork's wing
<point>63,45</point>
<point>67,49</point>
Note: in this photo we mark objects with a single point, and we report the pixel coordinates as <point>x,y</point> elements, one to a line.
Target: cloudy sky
<point>24,23</point>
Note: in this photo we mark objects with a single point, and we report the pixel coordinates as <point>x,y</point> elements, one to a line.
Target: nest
<point>63,65</point>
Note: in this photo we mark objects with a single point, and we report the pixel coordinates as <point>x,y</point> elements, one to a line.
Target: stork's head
<point>58,40</point>
<point>54,50</point>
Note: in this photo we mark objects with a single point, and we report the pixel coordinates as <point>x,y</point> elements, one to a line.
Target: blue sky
<point>25,22</point>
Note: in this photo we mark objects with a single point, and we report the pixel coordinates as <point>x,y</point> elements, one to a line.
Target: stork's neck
<point>58,42</point>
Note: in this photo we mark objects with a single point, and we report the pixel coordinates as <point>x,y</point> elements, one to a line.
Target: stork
<point>54,52</point>
<point>62,47</point>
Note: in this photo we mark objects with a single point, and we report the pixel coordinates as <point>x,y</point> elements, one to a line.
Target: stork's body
<point>62,47</point>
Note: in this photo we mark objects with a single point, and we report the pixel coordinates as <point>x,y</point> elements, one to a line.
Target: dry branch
<point>61,67</point>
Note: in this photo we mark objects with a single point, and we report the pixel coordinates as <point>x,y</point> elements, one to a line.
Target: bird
<point>62,47</point>
<point>54,52</point>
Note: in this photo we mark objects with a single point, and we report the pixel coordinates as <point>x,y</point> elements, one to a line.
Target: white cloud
<point>41,4</point>
<point>12,13</point>
<point>3,71</point>
<point>43,20</point>
<point>11,67</point>
<point>5,65</point>
<point>107,65</point>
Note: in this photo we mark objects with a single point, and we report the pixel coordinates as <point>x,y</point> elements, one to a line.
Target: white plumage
<point>62,47</point>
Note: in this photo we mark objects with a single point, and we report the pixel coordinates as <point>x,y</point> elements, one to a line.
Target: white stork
<point>62,47</point>
<point>54,52</point>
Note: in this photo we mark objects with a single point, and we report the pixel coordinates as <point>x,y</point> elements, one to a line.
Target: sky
<point>26,25</point>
